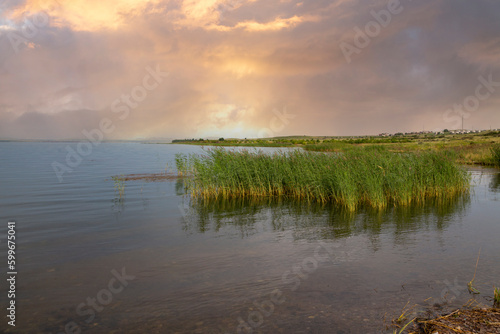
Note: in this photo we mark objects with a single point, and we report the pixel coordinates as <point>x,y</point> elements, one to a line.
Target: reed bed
<point>495,155</point>
<point>367,176</point>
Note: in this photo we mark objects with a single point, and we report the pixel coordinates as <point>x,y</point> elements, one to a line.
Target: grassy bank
<point>467,153</point>
<point>364,176</point>
<point>495,155</point>
<point>472,148</point>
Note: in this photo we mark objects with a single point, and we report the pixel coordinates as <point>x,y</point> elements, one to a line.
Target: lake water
<point>153,262</point>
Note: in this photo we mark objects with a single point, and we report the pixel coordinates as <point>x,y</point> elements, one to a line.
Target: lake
<point>90,261</point>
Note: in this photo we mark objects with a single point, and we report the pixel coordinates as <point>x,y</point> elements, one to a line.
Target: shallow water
<point>229,266</point>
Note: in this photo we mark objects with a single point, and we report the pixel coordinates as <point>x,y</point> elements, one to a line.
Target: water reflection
<point>118,206</point>
<point>495,182</point>
<point>318,221</point>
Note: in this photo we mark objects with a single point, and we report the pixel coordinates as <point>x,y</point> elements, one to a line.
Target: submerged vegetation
<point>372,177</point>
<point>148,177</point>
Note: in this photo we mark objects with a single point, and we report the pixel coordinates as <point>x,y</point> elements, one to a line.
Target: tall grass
<point>371,176</point>
<point>495,154</point>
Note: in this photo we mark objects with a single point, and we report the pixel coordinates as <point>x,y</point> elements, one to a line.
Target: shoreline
<point>470,149</point>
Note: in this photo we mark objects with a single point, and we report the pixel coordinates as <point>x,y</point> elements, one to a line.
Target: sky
<point>138,69</point>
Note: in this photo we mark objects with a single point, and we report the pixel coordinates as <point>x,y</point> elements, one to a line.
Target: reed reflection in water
<point>315,221</point>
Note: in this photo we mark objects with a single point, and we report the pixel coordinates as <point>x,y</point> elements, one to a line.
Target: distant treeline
<point>184,140</point>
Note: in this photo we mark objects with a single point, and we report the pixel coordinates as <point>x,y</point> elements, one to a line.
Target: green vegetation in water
<point>365,176</point>
<point>495,155</point>
<point>496,296</point>
<point>470,285</point>
<point>403,318</point>
<point>119,184</point>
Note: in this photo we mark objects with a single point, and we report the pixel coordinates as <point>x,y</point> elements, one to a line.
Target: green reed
<point>366,176</point>
<point>119,185</point>
<point>495,155</point>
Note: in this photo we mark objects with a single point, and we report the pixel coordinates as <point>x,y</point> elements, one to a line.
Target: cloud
<point>231,62</point>
<point>277,24</point>
<point>84,15</point>
<point>483,53</point>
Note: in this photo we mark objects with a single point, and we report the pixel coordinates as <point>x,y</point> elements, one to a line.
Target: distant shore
<point>472,148</point>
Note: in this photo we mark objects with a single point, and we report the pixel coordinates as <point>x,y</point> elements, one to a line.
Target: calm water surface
<point>228,267</point>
